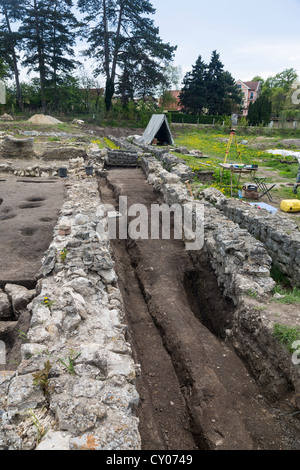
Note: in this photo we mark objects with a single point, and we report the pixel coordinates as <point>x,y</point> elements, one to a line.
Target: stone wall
<point>170,162</point>
<point>12,148</point>
<point>118,157</point>
<point>279,234</point>
<point>90,397</point>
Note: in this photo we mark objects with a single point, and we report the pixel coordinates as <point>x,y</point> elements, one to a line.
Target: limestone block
<point>19,297</point>
<point>5,308</point>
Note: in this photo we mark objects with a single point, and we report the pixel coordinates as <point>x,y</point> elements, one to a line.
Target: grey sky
<point>258,37</point>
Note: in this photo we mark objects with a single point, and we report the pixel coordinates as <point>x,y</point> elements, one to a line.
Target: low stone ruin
<point>64,153</point>
<point>118,157</point>
<point>12,148</point>
<point>279,234</point>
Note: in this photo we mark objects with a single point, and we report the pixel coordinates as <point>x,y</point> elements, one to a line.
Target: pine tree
<point>122,36</point>
<point>215,84</point>
<point>209,87</point>
<point>48,29</point>
<point>11,11</point>
<point>193,96</point>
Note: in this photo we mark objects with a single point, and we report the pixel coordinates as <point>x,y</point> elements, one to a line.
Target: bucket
<point>62,172</point>
<point>89,170</point>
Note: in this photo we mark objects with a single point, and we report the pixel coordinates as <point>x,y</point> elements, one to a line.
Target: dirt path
<point>195,392</point>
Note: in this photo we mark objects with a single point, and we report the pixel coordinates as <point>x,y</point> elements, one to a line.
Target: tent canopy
<point>158,128</point>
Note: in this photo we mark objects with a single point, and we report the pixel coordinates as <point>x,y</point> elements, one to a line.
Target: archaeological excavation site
<point>138,343</point>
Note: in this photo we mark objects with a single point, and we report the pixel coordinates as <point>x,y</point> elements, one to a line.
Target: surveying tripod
<point>231,138</point>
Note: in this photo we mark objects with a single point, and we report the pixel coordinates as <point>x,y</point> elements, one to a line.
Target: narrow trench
<point>195,393</point>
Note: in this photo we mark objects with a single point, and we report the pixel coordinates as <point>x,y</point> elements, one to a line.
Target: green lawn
<point>213,144</point>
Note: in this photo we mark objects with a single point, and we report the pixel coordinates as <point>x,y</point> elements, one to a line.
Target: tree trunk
<point>15,65</point>
<point>41,60</point>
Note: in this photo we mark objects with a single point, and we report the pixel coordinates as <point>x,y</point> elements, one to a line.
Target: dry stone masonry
<point>279,234</point>
<point>118,157</point>
<point>17,148</point>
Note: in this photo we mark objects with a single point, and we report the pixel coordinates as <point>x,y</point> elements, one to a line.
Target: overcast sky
<point>256,37</point>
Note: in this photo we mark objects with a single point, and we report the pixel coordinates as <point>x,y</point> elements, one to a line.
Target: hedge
<point>192,119</point>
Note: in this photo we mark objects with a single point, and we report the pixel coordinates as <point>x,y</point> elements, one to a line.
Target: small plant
<point>251,293</point>
<point>71,362</point>
<point>286,335</point>
<point>63,255</point>
<point>47,302</point>
<point>41,377</point>
<point>39,428</point>
<point>22,335</point>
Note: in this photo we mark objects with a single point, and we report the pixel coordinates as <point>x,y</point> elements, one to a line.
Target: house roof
<point>252,85</point>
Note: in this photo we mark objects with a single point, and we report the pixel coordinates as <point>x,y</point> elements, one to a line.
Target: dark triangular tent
<point>158,128</point>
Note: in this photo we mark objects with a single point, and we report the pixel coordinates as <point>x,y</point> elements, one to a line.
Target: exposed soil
<point>195,393</point>
<point>28,214</point>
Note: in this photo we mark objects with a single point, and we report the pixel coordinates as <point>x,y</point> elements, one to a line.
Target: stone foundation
<point>279,234</point>
<point>12,148</point>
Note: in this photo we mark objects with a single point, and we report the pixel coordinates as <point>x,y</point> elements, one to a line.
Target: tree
<point>208,88</point>
<point>277,89</point>
<point>260,111</point>
<point>11,11</point>
<point>193,96</point>
<point>215,84</point>
<point>49,30</point>
<point>121,35</point>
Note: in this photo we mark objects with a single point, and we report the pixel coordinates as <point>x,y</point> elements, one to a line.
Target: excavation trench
<point>195,393</point>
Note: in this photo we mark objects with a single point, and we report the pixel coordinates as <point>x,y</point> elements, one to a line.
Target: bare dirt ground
<point>28,214</point>
<point>195,392</point>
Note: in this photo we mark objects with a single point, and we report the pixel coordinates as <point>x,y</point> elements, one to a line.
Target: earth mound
<point>44,119</point>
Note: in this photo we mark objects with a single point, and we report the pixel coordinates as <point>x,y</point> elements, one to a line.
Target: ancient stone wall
<point>279,234</point>
<point>12,148</point>
<point>118,157</point>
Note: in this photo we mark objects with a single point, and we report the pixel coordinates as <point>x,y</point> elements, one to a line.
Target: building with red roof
<point>251,91</point>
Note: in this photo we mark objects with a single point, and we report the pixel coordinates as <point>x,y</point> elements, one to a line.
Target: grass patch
<point>286,335</point>
<point>291,296</point>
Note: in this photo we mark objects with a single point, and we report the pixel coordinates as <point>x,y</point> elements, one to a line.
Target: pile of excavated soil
<point>42,119</point>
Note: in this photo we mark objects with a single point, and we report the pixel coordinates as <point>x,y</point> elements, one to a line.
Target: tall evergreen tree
<point>193,96</point>
<point>121,35</point>
<point>260,111</point>
<point>11,11</point>
<point>49,33</point>
<point>209,88</point>
<point>215,84</point>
